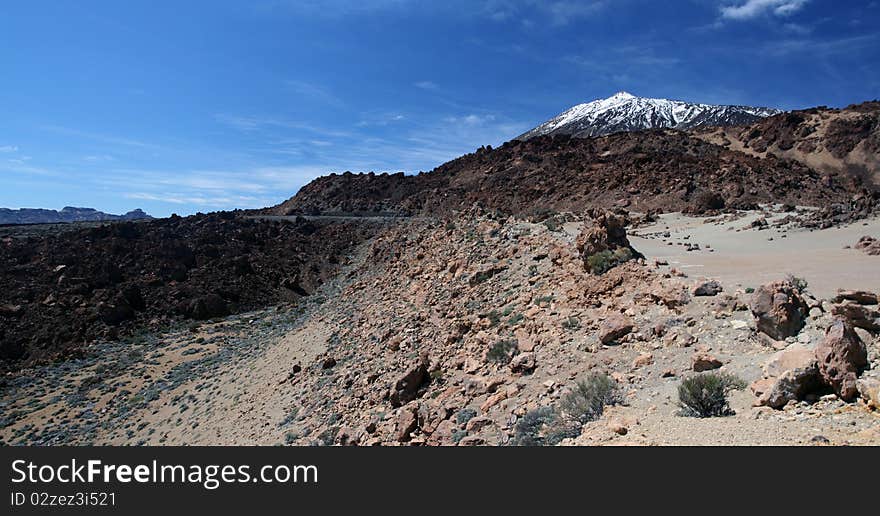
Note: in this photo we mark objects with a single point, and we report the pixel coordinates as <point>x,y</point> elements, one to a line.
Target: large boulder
<point>407,387</point>
<point>862,297</point>
<point>204,307</point>
<point>789,375</point>
<point>869,245</point>
<point>842,356</point>
<point>602,244</point>
<point>708,288</point>
<point>869,388</point>
<point>779,309</point>
<point>860,316</point>
<point>614,328</point>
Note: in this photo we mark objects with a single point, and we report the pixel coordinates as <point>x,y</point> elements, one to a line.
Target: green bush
<point>705,395</point>
<point>604,261</point>
<point>543,427</point>
<point>588,399</point>
<point>502,351</point>
<point>799,284</point>
<point>464,415</point>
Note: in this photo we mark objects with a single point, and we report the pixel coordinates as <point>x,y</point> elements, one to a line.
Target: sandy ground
<point>742,258</point>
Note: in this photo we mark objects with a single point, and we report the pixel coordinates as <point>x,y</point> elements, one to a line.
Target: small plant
<point>543,427</point>
<point>705,395</point>
<point>571,323</point>
<point>604,261</point>
<point>493,316</point>
<point>799,284</point>
<point>552,225</point>
<point>290,437</point>
<point>502,351</point>
<point>464,415</point>
<point>515,319</point>
<point>750,290</point>
<point>544,300</point>
<point>588,398</point>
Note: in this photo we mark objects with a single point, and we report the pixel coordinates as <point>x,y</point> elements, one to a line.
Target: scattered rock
<point>523,363</point>
<point>642,360</point>
<point>708,288</point>
<point>614,328</point>
<point>869,245</point>
<point>703,361</point>
<point>841,357</point>
<point>861,316</point>
<point>407,422</point>
<point>779,309</point>
<point>869,389</point>
<point>790,375</point>
<point>407,387</point>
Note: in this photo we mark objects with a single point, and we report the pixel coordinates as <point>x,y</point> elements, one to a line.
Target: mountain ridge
<point>66,214</point>
<point>625,112</point>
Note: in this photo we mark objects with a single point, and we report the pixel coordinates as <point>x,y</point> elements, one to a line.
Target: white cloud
<point>471,120</point>
<point>559,12</point>
<point>8,148</point>
<point>426,85</point>
<point>754,8</point>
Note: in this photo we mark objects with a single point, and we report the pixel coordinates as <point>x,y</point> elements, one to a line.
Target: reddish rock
<point>779,309</point>
<point>702,361</point>
<point>842,356</point>
<point>524,363</point>
<point>614,328</point>
<point>860,316</point>
<point>861,297</point>
<point>407,422</point>
<point>790,375</point>
<point>407,387</point>
<point>644,359</point>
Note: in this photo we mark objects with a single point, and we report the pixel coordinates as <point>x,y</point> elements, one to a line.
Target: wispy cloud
<point>103,138</point>
<point>8,148</point>
<point>558,12</point>
<point>426,85</point>
<point>314,92</point>
<point>821,47</point>
<point>753,8</point>
<point>255,123</point>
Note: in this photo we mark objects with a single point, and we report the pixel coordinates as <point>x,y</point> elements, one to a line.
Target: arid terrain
<point>396,348</point>
<point>482,303</point>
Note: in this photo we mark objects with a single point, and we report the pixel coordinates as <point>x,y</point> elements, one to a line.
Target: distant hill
<point>68,214</point>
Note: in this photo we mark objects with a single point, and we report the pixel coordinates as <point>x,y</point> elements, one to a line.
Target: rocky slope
<point>67,214</point>
<point>626,112</point>
<point>661,170</point>
<point>831,141</point>
<point>472,331</point>
<point>61,292</point>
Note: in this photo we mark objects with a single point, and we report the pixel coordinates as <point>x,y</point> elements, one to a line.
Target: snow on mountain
<point>626,112</point>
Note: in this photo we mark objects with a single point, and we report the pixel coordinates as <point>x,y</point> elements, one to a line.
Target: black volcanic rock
<point>661,170</point>
<point>61,291</point>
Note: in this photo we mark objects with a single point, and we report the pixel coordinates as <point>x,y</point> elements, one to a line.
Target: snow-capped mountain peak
<point>624,111</point>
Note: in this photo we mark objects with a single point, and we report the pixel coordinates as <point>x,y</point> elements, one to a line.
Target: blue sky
<point>198,106</point>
